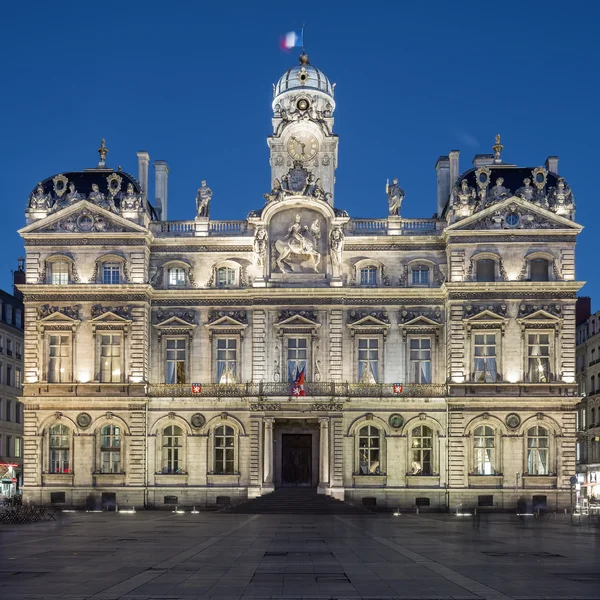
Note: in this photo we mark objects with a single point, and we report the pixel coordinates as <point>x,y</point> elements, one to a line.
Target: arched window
<point>60,449</point>
<point>59,272</point>
<point>224,450</point>
<point>484,441</point>
<point>369,460</point>
<point>226,277</point>
<point>538,443</point>
<point>539,269</point>
<point>110,449</point>
<point>176,276</point>
<point>593,417</point>
<point>485,269</point>
<point>420,275</point>
<point>368,275</point>
<point>172,449</point>
<point>422,451</point>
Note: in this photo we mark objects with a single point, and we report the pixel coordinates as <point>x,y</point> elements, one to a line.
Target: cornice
<point>504,289</point>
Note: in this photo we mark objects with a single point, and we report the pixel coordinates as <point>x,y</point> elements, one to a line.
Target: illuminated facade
<point>415,361</point>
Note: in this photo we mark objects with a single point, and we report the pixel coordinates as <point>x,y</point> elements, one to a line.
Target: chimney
<point>443,183</point>
<point>583,308</point>
<point>481,160</point>
<point>19,278</point>
<point>143,161</point>
<point>160,188</point>
<point>552,164</point>
<point>453,156</point>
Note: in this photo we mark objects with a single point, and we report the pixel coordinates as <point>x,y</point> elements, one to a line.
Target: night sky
<point>191,83</point>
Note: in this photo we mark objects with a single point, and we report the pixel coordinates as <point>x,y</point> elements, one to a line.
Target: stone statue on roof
<point>203,200</point>
<point>395,196</point>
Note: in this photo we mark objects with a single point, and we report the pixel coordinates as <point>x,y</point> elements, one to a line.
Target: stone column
<point>268,454</point>
<point>323,455</point>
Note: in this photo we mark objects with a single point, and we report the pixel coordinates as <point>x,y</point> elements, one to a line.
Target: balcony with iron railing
<point>314,389</point>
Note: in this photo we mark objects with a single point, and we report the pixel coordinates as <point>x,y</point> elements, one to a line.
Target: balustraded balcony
<point>193,228</point>
<point>395,226</point>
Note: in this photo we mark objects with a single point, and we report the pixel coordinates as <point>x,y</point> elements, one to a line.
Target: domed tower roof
<point>303,76</point>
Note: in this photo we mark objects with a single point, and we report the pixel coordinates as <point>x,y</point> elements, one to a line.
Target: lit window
<point>176,276</point>
<point>172,450</point>
<point>176,359</point>
<point>422,448</point>
<point>110,358</point>
<point>224,450</point>
<point>111,273</point>
<point>539,269</point>
<point>18,447</point>
<point>110,449</point>
<point>60,448</point>
<point>420,275</point>
<point>484,442</point>
<point>18,378</point>
<point>18,350</point>
<point>226,277</point>
<point>537,451</point>
<point>368,360</point>
<point>368,276</point>
<point>538,352</point>
<point>59,365</point>
<point>368,450</point>
<point>227,360</point>
<point>420,360</point>
<point>296,357</point>
<point>485,358</point>
<point>60,273</point>
<point>485,270</point>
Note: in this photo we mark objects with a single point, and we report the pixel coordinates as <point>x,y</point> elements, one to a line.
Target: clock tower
<point>303,108</point>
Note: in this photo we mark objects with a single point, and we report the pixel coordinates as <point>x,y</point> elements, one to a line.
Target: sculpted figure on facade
<point>261,238</point>
<point>561,200</point>
<point>527,192</point>
<point>97,197</point>
<point>39,199</point>
<point>499,192</point>
<point>336,245</point>
<point>298,242</point>
<point>465,200</point>
<point>395,196</point>
<point>277,192</point>
<point>73,195</point>
<point>130,201</point>
<point>203,200</point>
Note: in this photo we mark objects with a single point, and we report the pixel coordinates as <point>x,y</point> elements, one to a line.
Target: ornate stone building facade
<point>415,361</point>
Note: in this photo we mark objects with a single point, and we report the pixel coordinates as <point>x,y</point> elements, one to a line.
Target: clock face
<point>302,146</point>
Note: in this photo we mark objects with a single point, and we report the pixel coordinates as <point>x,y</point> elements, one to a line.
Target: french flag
<point>290,40</point>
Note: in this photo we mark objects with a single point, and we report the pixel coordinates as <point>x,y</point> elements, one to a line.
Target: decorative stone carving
<point>73,196</point>
<point>410,315</point>
<point>513,420</point>
<point>527,192</point>
<point>528,309</point>
<point>203,200</point>
<point>277,192</point>
<point>261,239</point>
<point>331,406</point>
<point>241,316</point>
<point>60,185</point>
<point>284,315</point>
<point>114,182</point>
<point>131,201</point>
<point>84,221</point>
<point>198,420</point>
<point>395,195</point>
<point>357,315</point>
<point>39,200</point>
<point>499,192</point>
<point>336,245</point>
<point>299,244</point>
<point>68,311</point>
<point>561,200</point>
<point>396,421</point>
<point>185,315</point>
<point>464,200</point>
<point>121,311</point>
<point>471,310</point>
<point>84,420</point>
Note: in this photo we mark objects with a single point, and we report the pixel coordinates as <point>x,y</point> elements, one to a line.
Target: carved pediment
<point>513,214</point>
<point>409,318</point>
<point>58,318</point>
<point>175,324</point>
<point>83,217</point>
<point>298,321</point>
<point>368,321</point>
<point>220,321</point>
<point>185,316</point>
<point>110,313</point>
<point>535,316</point>
<point>488,316</point>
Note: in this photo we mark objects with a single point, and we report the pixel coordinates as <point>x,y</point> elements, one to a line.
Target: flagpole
<point>303,23</point>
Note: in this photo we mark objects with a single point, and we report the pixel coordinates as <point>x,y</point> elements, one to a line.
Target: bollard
<point>417,510</point>
<point>116,507</point>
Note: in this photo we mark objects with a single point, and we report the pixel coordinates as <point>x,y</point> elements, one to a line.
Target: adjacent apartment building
<point>11,385</point>
<point>425,361</point>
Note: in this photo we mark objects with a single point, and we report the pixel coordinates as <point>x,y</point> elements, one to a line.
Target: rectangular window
<point>484,364</point>
<point>420,360</point>
<point>18,319</point>
<point>176,276</point>
<point>9,347</point>
<point>539,269</point>
<point>538,356</point>
<point>9,410</point>
<point>111,273</point>
<point>110,358</point>
<point>225,277</point>
<point>19,412</point>
<point>297,353</point>
<point>59,364</point>
<point>176,358</point>
<point>18,378</point>
<point>9,314</point>
<point>9,377</point>
<point>8,445</point>
<point>368,276</point>
<point>227,360</point>
<point>18,447</point>
<point>60,273</point>
<point>368,360</point>
<point>18,350</point>
<point>485,270</point>
<point>420,275</point>
<point>1,343</point>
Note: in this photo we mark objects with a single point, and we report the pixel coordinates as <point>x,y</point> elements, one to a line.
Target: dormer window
<point>59,273</point>
<point>539,269</point>
<point>420,275</point>
<point>111,273</point>
<point>226,277</point>
<point>176,276</point>
<point>485,269</point>
<point>368,275</point>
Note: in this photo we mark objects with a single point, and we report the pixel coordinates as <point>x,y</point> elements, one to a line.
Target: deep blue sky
<point>191,82</point>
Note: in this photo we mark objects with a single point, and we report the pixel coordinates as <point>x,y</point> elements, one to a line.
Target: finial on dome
<point>497,148</point>
<point>304,59</point>
<point>102,151</point>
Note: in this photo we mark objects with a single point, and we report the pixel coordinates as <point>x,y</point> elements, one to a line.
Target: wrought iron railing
<point>330,389</point>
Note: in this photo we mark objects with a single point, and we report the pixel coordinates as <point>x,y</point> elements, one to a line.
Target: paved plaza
<point>217,556</point>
